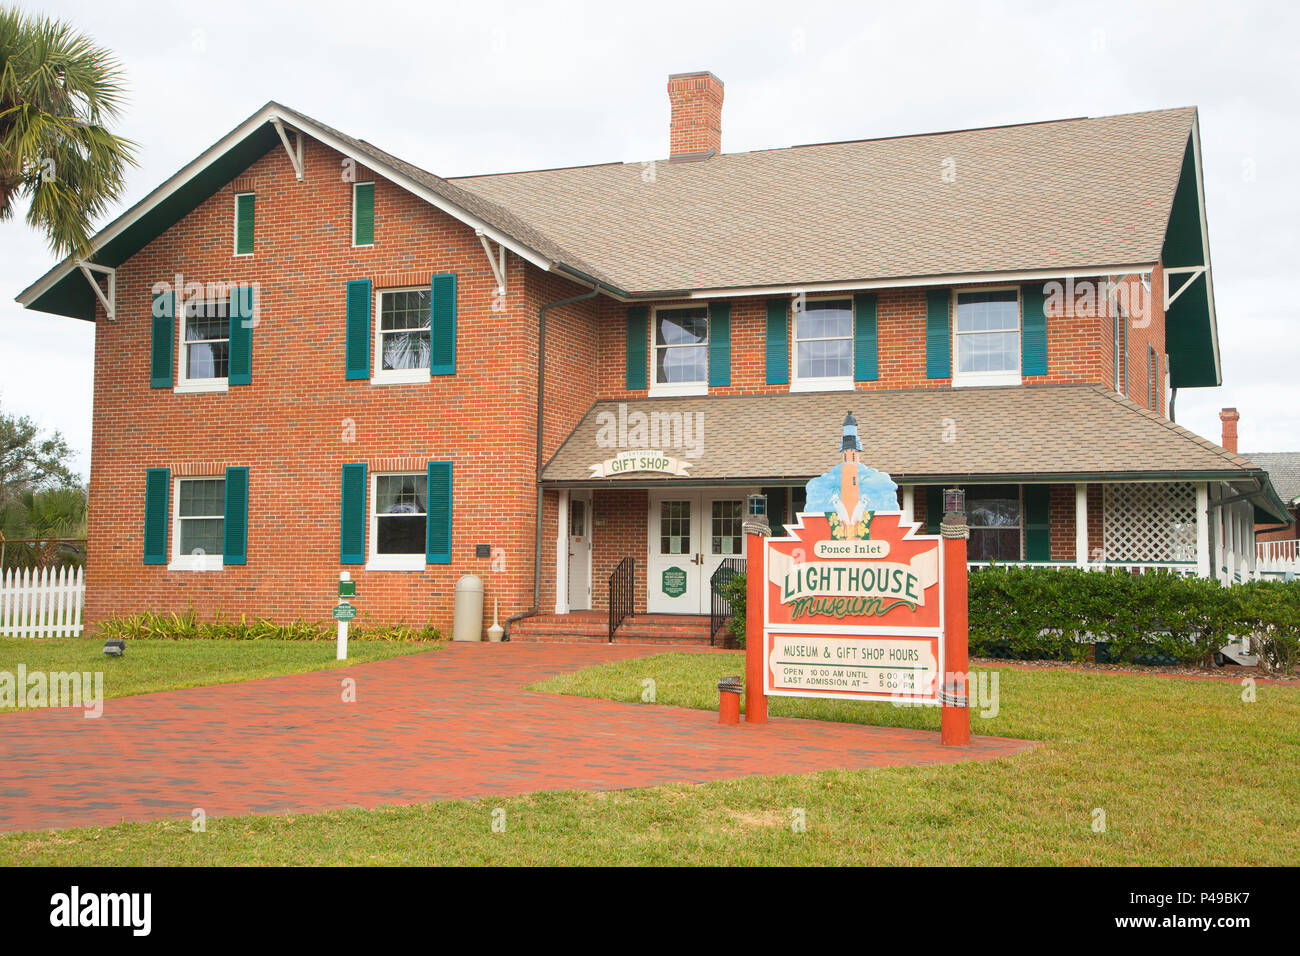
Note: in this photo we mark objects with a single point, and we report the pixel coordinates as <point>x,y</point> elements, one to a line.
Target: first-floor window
<point>205,355</point>
<point>200,516</point>
<point>400,514</point>
<point>988,334</point>
<point>823,340</point>
<point>682,347</point>
<point>405,321</point>
<point>996,522</point>
<point>675,527</point>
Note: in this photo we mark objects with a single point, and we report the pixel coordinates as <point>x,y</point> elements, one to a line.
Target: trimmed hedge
<point>1153,619</point>
<point>188,626</point>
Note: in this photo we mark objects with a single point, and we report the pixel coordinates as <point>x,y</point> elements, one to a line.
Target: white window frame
<point>234,225</point>
<point>976,379</point>
<point>392,562</point>
<point>371,243</point>
<point>190,562</point>
<point>185,384</point>
<point>396,376</point>
<point>676,388</point>
<point>819,383</point>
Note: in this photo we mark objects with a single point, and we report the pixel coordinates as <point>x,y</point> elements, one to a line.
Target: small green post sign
<point>344,612</point>
<point>347,589</point>
<point>674,583</point>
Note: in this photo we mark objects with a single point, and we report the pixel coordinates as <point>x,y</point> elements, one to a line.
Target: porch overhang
<point>1020,434</point>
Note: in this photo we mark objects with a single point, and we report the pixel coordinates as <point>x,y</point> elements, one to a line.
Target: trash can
<point>729,691</point>
<point>468,625</point>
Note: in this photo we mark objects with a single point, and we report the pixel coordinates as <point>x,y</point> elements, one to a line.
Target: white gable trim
<point>276,115</point>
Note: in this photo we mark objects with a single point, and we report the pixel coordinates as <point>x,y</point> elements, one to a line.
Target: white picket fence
<point>41,603</point>
<point>1276,558</point>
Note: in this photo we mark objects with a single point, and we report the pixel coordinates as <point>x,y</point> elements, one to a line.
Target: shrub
<point>168,625</point>
<point>734,591</point>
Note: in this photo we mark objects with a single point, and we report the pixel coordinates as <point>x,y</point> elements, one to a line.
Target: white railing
<point>42,602</point>
<point>1278,557</point>
<point>1182,568</point>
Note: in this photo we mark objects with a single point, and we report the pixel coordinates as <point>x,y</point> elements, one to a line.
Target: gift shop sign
<point>853,617</point>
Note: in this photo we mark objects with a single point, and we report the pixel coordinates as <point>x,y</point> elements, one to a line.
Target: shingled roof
<point>1283,469</point>
<point>1079,193</point>
<point>1020,433</point>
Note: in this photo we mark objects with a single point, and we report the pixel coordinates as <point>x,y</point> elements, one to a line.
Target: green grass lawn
<point>151,665</point>
<point>1185,771</point>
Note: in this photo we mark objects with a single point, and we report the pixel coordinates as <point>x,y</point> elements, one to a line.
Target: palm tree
<point>57,91</point>
<point>57,515</point>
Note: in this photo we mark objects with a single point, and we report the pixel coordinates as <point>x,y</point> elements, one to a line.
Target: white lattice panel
<point>1149,522</point>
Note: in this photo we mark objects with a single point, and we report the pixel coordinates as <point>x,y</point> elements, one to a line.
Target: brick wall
<point>300,419</point>
<point>1079,345</point>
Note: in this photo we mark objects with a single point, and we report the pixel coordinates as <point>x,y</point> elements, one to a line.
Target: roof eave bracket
<point>1192,272</point>
<point>497,260</point>
<point>294,151</point>
<point>107,300</point>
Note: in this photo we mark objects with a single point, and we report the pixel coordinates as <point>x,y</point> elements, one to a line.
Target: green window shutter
<point>244,224</point>
<point>778,341</point>
<point>235,547</point>
<point>164,340</point>
<point>442,331</point>
<point>638,335</point>
<point>865,363</point>
<point>358,329</point>
<point>438,525</point>
<point>157,509</point>
<point>933,508</point>
<point>241,335</point>
<point>719,344</point>
<point>363,214</point>
<point>1033,332</point>
<point>352,517</point>
<point>938,334</point>
<point>1038,522</point>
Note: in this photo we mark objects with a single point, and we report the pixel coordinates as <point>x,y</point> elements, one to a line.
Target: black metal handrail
<point>622,593</point>
<point>719,606</point>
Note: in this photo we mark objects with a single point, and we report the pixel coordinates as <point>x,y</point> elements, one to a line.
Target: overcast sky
<point>462,88</point>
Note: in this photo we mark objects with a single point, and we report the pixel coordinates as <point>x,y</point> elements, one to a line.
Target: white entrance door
<point>579,552</point>
<point>691,533</point>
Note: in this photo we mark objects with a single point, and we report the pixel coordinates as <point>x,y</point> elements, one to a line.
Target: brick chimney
<point>696,128</point>
<point>1229,417</point>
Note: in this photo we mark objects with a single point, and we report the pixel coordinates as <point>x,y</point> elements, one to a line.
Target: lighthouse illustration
<point>851,492</point>
<point>850,506</point>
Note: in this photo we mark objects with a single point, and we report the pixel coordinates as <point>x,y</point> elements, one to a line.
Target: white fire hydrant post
<point>344,612</point>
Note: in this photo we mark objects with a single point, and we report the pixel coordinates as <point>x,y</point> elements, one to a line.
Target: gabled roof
<point>1061,433</point>
<point>1283,468</point>
<point>1070,194</point>
<point>1069,197</point>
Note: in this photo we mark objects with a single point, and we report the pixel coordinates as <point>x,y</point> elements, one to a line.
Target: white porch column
<point>1081,524</point>
<point>1203,530</point>
<point>562,555</point>
<point>909,503</point>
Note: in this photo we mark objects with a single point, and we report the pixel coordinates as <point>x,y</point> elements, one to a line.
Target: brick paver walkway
<point>448,724</point>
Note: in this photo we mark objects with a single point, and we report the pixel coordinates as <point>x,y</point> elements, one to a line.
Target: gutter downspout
<point>541,386</point>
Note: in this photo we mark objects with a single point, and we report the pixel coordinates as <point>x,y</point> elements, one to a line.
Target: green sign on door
<point>674,584</point>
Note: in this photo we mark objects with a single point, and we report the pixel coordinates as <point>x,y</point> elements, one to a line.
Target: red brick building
<point>312,356</point>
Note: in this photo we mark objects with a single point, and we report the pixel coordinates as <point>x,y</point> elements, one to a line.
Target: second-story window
<point>681,351</point>
<point>823,344</point>
<point>1153,379</point>
<point>987,338</point>
<point>205,344</point>
<point>1120,345</point>
<point>403,320</point>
